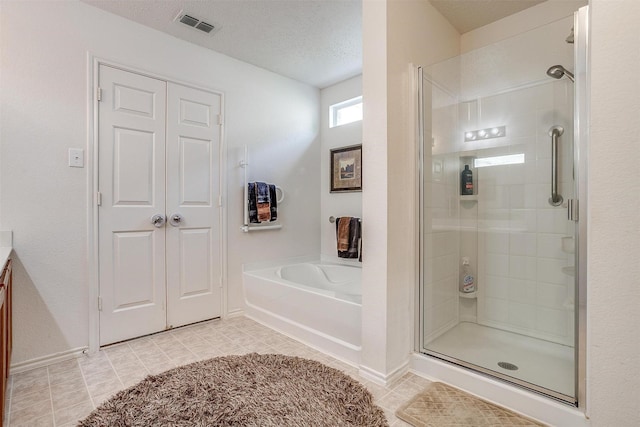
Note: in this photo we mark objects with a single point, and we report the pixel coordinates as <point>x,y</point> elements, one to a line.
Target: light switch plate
<point>76,157</point>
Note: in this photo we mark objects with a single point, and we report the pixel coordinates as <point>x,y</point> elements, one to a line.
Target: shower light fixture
<point>488,133</point>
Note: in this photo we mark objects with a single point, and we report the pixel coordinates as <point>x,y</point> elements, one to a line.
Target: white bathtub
<point>317,303</point>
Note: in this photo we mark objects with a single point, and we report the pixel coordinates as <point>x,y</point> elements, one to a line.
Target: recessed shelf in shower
<point>469,295</point>
<point>473,198</point>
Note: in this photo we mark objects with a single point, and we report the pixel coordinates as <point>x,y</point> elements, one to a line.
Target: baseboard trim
<point>49,359</point>
<point>234,313</point>
<point>386,380</point>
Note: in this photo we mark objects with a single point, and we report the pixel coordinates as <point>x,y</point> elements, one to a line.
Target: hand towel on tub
<point>355,236</point>
<point>263,201</point>
<point>274,202</point>
<point>347,235</point>
<point>253,207</point>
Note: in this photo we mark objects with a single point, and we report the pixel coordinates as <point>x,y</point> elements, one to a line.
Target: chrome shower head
<point>557,71</point>
<point>570,39</point>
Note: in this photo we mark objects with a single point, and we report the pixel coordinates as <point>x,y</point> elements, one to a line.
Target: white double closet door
<point>159,214</point>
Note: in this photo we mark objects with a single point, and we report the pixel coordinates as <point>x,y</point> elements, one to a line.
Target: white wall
<point>44,84</point>
<point>613,300</point>
<point>395,35</point>
<point>336,204</point>
<point>374,188</point>
<point>518,23</point>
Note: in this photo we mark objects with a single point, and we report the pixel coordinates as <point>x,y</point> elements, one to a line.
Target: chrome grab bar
<point>554,133</point>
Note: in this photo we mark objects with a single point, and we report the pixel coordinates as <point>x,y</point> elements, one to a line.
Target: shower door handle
<point>572,210</point>
<point>554,133</point>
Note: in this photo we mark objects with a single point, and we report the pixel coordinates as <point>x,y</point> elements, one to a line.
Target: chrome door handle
<point>176,219</point>
<point>158,220</point>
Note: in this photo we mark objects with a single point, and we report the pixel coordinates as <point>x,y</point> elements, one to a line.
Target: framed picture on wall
<point>346,169</point>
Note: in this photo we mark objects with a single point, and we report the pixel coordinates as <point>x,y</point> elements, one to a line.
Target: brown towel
<point>263,202</point>
<point>343,233</point>
<point>264,212</point>
<point>348,234</point>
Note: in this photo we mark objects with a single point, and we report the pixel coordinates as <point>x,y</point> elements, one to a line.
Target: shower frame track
<point>422,348</point>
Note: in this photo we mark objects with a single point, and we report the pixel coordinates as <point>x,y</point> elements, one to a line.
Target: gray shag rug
<point>248,390</point>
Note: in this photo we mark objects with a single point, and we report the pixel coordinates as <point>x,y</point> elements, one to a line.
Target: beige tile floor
<point>64,393</point>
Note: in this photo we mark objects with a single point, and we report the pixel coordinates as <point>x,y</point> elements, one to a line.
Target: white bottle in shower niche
<point>467,282</point>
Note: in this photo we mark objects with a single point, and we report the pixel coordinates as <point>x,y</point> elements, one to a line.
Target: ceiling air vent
<point>196,23</point>
<point>203,26</point>
<point>189,20</point>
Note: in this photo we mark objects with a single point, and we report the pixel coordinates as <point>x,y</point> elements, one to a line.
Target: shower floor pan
<point>542,363</point>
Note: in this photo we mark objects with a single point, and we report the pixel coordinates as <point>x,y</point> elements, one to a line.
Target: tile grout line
<point>113,368</point>
<point>72,405</point>
<point>169,333</point>
<point>211,342</point>
<point>86,386</point>
<point>139,360</point>
<point>10,401</point>
<point>144,364</point>
<point>53,414</point>
<point>165,353</point>
<point>206,340</point>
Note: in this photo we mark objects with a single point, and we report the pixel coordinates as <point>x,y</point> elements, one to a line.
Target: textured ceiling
<point>467,15</point>
<point>318,42</point>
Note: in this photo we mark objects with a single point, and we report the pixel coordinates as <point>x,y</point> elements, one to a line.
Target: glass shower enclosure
<point>497,112</point>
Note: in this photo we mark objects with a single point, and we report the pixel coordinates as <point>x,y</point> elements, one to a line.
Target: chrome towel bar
<point>333,219</point>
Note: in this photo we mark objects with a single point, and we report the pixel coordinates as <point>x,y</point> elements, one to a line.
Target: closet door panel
<point>131,179</point>
<point>193,192</point>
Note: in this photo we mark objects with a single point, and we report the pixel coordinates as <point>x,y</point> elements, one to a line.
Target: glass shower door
<point>501,118</point>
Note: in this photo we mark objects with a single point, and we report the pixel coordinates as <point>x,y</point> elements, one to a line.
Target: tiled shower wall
<point>524,276</point>
<point>511,233</point>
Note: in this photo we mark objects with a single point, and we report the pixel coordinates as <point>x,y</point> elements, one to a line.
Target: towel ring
<point>281,199</point>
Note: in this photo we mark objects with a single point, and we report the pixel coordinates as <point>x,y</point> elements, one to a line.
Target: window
<point>348,111</point>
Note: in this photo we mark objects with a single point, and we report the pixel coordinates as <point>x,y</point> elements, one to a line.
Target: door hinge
<point>99,94</point>
<point>572,210</point>
<point>219,201</point>
<point>99,303</point>
<point>99,198</point>
<point>219,119</point>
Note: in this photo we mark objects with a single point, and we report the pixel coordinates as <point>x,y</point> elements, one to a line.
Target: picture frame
<point>346,169</point>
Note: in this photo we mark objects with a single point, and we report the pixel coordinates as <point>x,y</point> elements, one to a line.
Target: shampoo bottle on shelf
<point>467,283</point>
<point>466,182</point>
